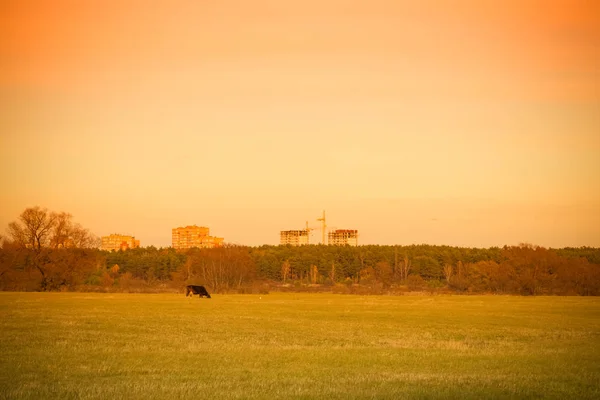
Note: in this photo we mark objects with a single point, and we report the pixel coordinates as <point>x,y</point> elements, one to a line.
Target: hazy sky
<point>470,123</point>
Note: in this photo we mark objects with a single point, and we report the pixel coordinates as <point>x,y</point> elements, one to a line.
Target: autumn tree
<point>11,262</point>
<point>114,271</point>
<point>384,273</point>
<point>534,267</point>
<point>366,275</point>
<point>222,268</point>
<point>52,245</point>
<point>461,280</point>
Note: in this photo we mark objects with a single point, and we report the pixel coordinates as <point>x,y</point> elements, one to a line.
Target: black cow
<point>191,290</point>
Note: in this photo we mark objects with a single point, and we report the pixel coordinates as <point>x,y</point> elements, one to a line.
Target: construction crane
<point>323,226</point>
<point>308,233</point>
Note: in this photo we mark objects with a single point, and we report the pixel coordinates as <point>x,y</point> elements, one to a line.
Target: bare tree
<point>51,245</point>
<point>66,233</point>
<point>448,272</point>
<point>34,228</point>
<point>61,231</point>
<point>222,268</point>
<point>405,268</point>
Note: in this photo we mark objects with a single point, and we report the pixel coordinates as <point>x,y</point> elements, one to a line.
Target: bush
<point>415,282</point>
<point>341,289</point>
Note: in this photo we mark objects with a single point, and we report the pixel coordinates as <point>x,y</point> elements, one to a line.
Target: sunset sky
<point>470,123</point>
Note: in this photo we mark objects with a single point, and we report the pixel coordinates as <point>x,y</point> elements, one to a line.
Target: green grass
<point>302,346</point>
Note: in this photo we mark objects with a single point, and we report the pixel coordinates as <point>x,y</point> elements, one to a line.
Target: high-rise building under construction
<point>294,238</point>
<point>342,237</point>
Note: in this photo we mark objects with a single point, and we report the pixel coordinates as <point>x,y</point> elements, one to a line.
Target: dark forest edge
<point>48,252</point>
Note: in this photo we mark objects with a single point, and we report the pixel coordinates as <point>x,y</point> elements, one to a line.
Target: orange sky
<point>472,123</point>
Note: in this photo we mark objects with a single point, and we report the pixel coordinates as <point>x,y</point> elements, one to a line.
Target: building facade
<point>294,238</point>
<point>118,242</point>
<point>342,237</point>
<point>194,236</point>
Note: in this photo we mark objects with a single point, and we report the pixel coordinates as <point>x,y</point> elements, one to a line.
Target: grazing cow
<point>191,290</point>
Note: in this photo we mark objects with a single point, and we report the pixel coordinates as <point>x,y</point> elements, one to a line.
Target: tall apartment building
<point>118,242</point>
<point>294,238</point>
<point>194,236</point>
<point>342,237</point>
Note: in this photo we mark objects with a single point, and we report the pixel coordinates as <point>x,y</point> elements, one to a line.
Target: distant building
<point>118,242</point>
<point>194,236</point>
<point>342,237</point>
<point>294,238</point>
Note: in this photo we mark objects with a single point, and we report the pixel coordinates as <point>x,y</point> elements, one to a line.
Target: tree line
<point>48,251</point>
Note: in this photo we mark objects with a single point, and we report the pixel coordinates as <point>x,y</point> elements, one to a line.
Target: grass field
<point>303,346</point>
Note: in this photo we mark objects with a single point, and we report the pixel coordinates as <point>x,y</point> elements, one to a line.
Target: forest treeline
<point>49,252</point>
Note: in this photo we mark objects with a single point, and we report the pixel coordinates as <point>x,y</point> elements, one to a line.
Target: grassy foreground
<point>309,346</point>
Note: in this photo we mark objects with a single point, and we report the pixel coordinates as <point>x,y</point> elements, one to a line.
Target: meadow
<point>297,346</point>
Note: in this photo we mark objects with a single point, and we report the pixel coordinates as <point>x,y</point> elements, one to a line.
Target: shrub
<point>415,282</point>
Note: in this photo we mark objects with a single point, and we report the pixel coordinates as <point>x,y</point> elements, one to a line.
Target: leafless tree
<point>34,228</point>
<point>52,245</point>
<point>222,268</point>
<point>405,268</point>
<point>448,272</point>
<point>66,234</point>
<point>61,231</point>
